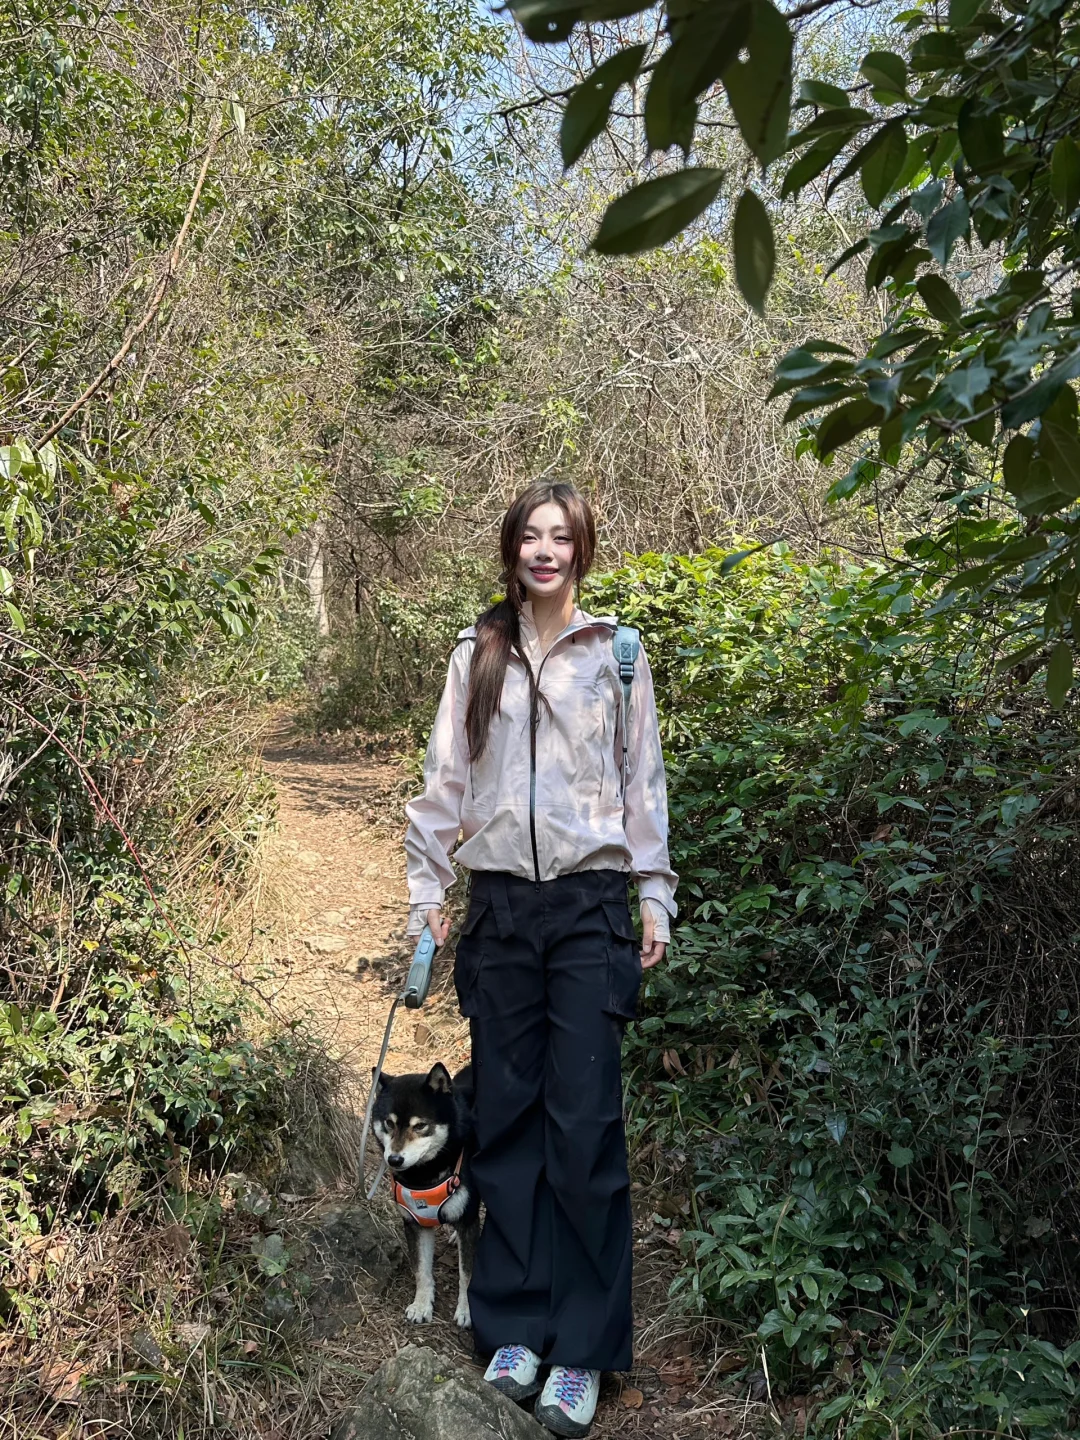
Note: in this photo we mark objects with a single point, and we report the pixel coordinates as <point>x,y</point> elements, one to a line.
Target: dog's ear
<point>439,1079</point>
<point>384,1078</point>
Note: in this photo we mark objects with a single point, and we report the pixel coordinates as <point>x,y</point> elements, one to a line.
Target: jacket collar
<point>579,620</point>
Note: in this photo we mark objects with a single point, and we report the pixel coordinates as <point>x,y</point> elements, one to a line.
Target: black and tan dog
<point>424,1125</point>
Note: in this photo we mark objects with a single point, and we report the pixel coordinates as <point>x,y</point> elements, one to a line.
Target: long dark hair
<point>498,630</point>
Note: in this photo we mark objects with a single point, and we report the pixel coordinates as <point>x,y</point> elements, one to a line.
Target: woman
<point>527,759</point>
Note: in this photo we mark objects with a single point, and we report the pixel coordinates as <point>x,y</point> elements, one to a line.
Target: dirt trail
<point>334,901</point>
<point>331,913</point>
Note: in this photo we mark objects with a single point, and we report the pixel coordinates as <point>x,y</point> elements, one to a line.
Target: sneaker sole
<point>555,1419</point>
<point>513,1389</point>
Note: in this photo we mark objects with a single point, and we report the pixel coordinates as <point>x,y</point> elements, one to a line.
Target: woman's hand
<point>439,925</point>
<point>652,950</point>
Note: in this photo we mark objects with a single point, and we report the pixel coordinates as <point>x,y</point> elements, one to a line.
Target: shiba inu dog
<point>423,1123</point>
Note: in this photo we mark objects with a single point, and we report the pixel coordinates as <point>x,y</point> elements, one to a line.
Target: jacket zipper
<point>532,753</point>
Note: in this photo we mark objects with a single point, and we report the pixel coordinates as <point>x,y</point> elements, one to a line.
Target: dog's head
<point>413,1116</point>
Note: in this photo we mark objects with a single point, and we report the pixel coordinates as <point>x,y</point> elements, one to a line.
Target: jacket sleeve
<point>645,814</point>
<point>435,815</point>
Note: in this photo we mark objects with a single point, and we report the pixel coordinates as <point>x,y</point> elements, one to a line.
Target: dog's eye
<point>421,1129</point>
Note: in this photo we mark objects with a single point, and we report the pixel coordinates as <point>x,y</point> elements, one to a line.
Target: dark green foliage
<point>864,1044</point>
<point>966,141</point>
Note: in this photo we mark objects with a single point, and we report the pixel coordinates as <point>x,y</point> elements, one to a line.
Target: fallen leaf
<point>422,1034</point>
<point>250,1347</point>
<point>60,1378</point>
<point>672,1063</point>
<point>631,1398</point>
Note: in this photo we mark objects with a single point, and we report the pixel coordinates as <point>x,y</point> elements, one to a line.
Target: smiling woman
<point>558,790</point>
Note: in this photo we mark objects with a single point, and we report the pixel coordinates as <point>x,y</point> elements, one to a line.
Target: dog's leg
<point>466,1238</point>
<point>422,1253</point>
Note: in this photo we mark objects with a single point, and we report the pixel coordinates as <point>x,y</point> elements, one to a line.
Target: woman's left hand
<point>652,950</point>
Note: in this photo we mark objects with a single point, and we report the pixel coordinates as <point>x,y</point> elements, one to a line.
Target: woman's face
<point>546,558</point>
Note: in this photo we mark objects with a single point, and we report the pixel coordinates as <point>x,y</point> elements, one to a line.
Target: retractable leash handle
<point>414,993</point>
<point>418,981</point>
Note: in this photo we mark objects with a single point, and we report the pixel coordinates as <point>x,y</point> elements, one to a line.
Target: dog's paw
<point>420,1312</point>
<point>462,1317</point>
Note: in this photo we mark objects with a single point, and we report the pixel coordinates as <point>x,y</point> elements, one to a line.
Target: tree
<point>962,140</point>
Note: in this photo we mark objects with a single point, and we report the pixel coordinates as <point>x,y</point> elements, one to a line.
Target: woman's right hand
<point>439,925</point>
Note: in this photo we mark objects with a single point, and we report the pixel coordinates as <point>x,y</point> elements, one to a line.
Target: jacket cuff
<point>660,918</point>
<point>652,887</point>
<point>418,917</point>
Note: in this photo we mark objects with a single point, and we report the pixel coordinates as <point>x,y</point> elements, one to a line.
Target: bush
<point>863,1052</point>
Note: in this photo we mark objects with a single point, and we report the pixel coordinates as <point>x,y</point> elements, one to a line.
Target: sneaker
<point>568,1403</point>
<point>513,1371</point>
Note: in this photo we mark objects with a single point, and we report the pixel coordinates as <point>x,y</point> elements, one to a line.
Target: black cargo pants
<point>548,974</point>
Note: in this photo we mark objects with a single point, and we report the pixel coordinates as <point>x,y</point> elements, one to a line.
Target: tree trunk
<point>316,579</point>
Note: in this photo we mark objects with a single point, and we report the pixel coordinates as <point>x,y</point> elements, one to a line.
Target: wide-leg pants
<point>548,974</point>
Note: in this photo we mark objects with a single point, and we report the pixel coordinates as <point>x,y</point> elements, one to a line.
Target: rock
<point>421,1395</point>
<point>325,944</point>
<point>351,1252</point>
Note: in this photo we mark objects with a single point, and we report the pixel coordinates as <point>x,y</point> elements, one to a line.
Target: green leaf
<point>962,12</point>
<point>16,617</point>
<point>812,163</point>
<point>1065,174</point>
<point>759,88</point>
<point>856,248</point>
<point>838,1406</point>
<point>237,115</point>
<point>1060,448</point>
<point>981,138</point>
<point>843,424</point>
<point>652,213</point>
<point>1059,674</point>
<point>886,72</point>
<point>818,92</point>
<point>755,254</point>
<point>548,22</point>
<point>884,162</point>
<point>703,49</point>
<point>945,228</point>
<point>736,558</point>
<point>900,1155</point>
<point>939,298</point>
<point>1036,398</point>
<point>586,113</point>
<point>866,1281</point>
<point>1016,463</point>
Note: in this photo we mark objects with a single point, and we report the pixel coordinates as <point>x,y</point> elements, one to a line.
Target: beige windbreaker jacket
<point>565,811</point>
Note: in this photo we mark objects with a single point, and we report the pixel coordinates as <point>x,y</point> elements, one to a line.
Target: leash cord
<point>375,1078</point>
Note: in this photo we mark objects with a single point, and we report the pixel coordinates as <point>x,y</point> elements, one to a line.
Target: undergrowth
<point>861,1062</point>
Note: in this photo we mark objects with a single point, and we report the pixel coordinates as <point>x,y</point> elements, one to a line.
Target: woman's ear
<point>439,1079</point>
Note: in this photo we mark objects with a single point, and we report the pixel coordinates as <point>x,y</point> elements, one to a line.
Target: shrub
<point>863,1051</point>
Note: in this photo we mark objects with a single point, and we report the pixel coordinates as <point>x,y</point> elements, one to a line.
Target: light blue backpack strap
<point>626,643</point>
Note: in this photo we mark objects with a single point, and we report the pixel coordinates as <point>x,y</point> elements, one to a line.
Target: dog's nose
<point>395,1160</point>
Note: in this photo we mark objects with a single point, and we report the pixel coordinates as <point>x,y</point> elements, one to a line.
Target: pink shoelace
<point>571,1387</point>
<point>509,1358</point>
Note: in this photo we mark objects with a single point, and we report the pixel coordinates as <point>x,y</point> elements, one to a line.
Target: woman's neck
<point>551,615</point>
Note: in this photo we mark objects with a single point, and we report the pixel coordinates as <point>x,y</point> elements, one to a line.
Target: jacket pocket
<point>624,961</point>
<point>469,959</point>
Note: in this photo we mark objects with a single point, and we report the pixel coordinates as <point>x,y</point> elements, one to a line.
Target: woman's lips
<point>544,574</point>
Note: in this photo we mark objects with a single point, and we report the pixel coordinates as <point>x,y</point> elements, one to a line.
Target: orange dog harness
<point>424,1207</point>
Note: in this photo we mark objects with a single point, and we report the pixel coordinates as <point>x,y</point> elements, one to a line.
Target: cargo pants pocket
<point>624,961</point>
